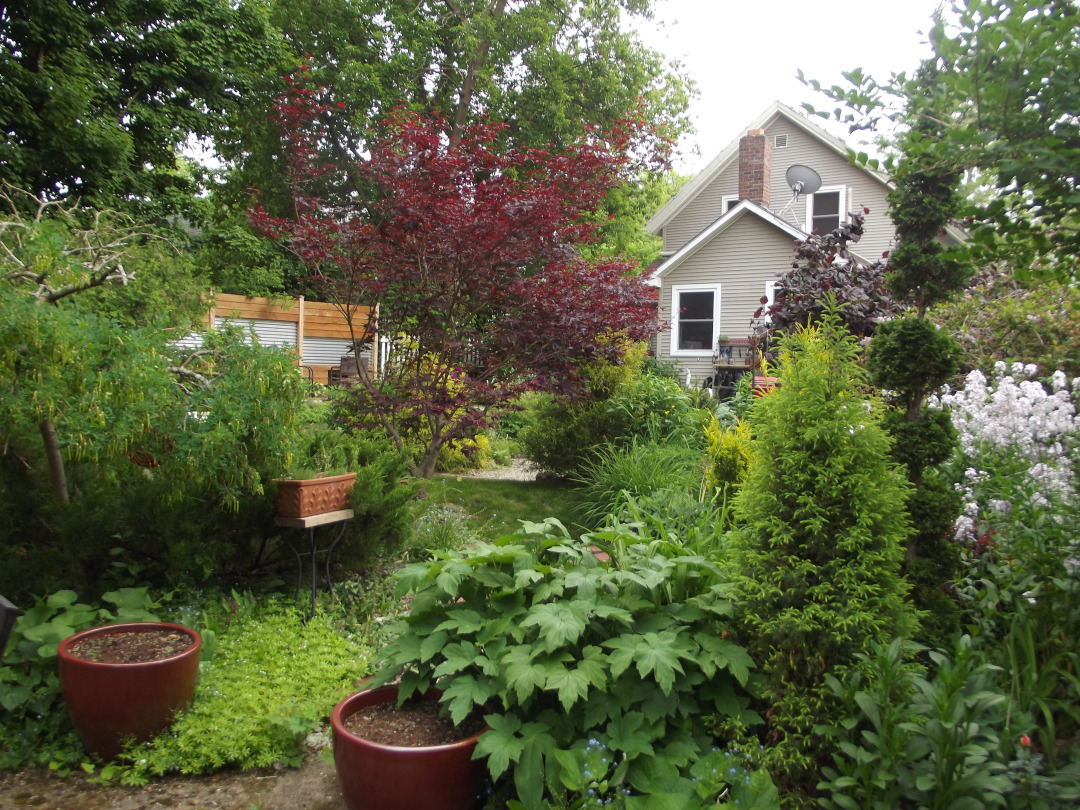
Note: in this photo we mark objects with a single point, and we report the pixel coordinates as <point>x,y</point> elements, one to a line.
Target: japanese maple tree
<point>469,252</point>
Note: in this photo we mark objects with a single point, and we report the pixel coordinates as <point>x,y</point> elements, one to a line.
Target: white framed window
<point>826,208</point>
<point>728,201</point>
<point>695,319</point>
<point>770,299</point>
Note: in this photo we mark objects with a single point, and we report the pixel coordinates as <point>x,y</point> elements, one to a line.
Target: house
<point>731,230</point>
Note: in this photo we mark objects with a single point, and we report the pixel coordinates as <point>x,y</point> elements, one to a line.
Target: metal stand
<point>311,522</point>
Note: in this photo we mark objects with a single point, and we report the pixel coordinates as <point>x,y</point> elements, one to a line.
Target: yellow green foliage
<point>729,450</point>
<point>466,454</point>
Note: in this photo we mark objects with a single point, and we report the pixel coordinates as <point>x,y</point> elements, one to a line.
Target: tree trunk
<point>56,460</point>
<point>425,467</point>
<point>476,63</point>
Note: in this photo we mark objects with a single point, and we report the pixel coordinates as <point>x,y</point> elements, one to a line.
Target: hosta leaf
<point>526,576</point>
<point>492,578</point>
<point>594,664</point>
<point>619,614</point>
<point>655,654</point>
<point>432,644</point>
<point>725,654</point>
<point>601,708</point>
<point>410,577</point>
<point>624,734</point>
<point>571,684</point>
<point>463,621</point>
<point>458,656</point>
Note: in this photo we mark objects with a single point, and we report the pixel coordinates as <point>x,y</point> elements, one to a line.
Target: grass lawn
<point>494,507</point>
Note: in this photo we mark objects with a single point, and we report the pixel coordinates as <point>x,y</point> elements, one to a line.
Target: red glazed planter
<point>391,777</point>
<point>313,496</point>
<point>109,703</point>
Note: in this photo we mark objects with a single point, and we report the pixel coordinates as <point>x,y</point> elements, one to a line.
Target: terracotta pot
<point>313,496</point>
<point>391,777</point>
<point>109,703</point>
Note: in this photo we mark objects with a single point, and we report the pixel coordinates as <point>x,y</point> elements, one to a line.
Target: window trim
<point>770,299</point>
<point>676,292</point>
<point>727,202</point>
<point>841,208</point>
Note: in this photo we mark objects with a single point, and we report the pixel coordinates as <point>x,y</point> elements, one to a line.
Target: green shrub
<point>635,471</point>
<point>936,742</point>
<point>165,455</point>
<point>729,452</point>
<point>460,455</point>
<point>442,527</point>
<point>596,677</point>
<point>820,543</point>
<point>560,437</point>
<point>652,408</point>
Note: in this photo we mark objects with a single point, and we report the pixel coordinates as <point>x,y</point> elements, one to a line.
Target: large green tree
<point>97,97</point>
<point>1000,94</point>
<point>545,68</point>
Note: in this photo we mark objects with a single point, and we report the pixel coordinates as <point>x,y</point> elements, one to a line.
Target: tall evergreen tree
<point>821,544</point>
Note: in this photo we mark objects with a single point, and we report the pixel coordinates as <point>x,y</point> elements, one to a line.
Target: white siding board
<point>329,351</point>
<point>280,334</point>
<point>703,211</point>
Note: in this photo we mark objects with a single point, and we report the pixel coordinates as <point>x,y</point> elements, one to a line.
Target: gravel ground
<point>519,470</point>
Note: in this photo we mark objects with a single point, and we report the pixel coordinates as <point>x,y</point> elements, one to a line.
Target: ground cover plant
<point>274,678</point>
<point>269,676</point>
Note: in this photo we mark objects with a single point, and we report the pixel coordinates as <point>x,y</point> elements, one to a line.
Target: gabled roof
<point>718,164</point>
<point>744,208</point>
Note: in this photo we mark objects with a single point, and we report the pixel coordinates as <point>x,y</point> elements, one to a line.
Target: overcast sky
<point>745,55</point>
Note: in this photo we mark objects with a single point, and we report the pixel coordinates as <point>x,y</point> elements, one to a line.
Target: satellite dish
<point>802,179</point>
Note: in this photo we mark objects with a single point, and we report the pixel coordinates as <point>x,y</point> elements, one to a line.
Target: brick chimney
<point>755,163</point>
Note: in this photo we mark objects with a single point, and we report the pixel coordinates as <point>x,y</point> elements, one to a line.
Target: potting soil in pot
<point>133,647</point>
<point>415,723</point>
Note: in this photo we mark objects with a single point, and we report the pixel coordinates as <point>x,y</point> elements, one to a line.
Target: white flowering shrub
<point>1016,438</point>
<point>1020,590</point>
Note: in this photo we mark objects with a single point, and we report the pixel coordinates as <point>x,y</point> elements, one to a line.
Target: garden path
<point>313,786</point>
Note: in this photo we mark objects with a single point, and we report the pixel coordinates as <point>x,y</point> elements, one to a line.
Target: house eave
<point>744,208</point>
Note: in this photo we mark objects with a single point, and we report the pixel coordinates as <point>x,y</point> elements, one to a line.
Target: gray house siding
<point>702,211</point>
<point>862,190</point>
<point>749,253</point>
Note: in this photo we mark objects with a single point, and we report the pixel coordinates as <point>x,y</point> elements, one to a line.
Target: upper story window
<point>695,319</point>
<point>729,201</point>
<point>825,210</point>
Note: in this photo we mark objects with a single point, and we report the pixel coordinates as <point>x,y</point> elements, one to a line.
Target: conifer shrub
<point>822,528</point>
<point>729,452</point>
<point>910,358</point>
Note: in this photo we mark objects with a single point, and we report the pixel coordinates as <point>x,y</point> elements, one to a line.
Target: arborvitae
<point>822,537</point>
<point>910,358</point>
